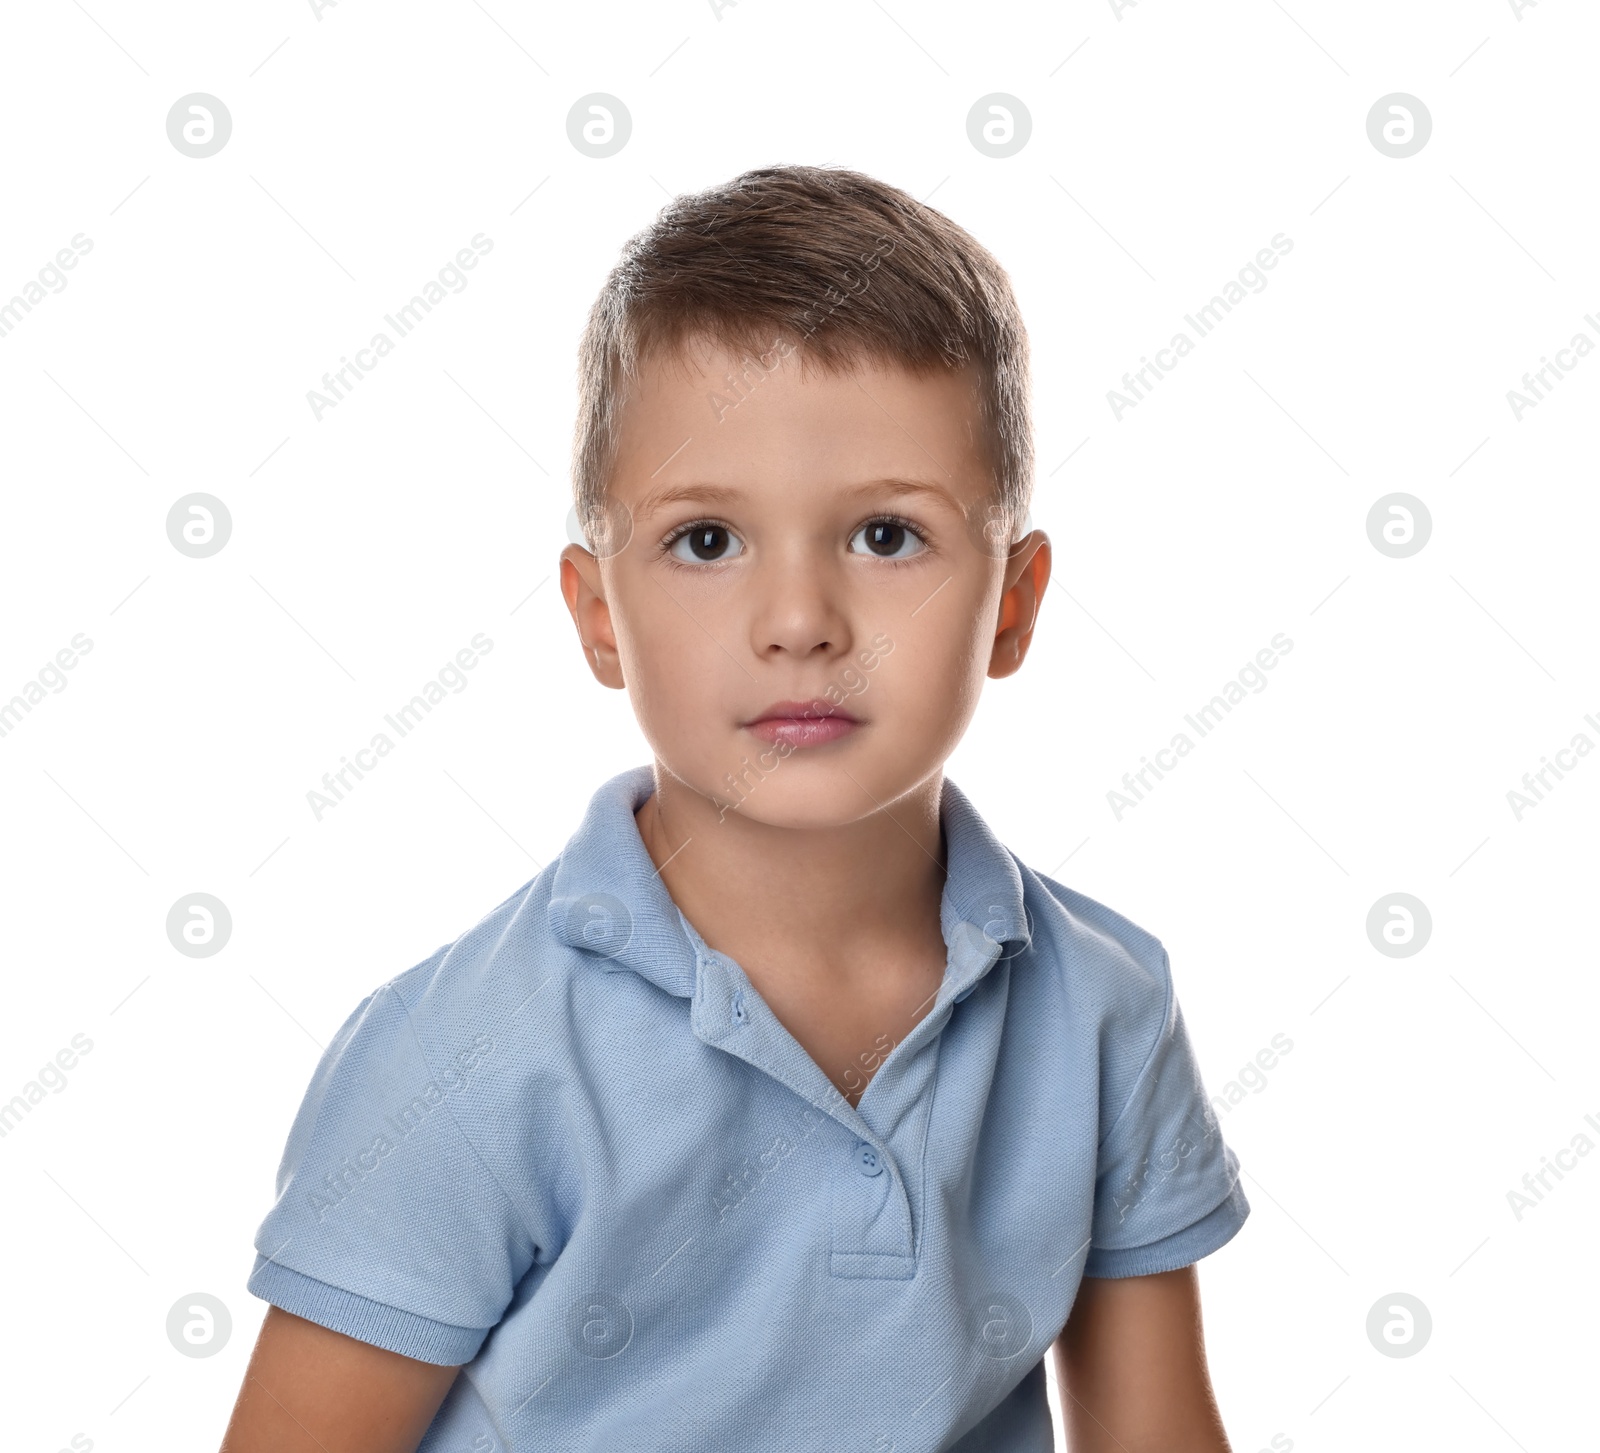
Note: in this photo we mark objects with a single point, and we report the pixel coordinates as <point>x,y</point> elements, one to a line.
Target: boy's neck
<point>843,904</point>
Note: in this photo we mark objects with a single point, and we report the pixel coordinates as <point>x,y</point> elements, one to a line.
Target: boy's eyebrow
<point>907,486</point>
<point>675,494</point>
<point>720,494</point>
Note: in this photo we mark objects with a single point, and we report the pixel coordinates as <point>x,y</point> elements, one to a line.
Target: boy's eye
<point>705,544</point>
<point>888,540</point>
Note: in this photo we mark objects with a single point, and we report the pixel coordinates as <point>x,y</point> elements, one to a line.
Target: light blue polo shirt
<point>576,1151</point>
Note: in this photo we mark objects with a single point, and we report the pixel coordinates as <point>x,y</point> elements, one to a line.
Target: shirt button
<point>867,1161</point>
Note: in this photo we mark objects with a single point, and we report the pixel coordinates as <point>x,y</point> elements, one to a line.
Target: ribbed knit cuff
<point>1182,1248</point>
<point>365,1320</point>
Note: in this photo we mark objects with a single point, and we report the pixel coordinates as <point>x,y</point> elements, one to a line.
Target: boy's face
<point>814,541</point>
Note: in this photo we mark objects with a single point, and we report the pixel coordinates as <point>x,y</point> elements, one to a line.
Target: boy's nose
<point>798,614</point>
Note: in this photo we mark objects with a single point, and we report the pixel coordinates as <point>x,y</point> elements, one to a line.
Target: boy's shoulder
<point>1119,934</point>
<point>1111,990</point>
<point>1105,959</point>
<point>1094,926</point>
<point>1093,950</point>
<point>492,967</point>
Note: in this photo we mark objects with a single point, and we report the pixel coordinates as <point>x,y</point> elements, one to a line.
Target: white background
<point>1169,144</point>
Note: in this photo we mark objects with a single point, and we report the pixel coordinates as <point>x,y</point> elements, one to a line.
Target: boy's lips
<point>802,723</point>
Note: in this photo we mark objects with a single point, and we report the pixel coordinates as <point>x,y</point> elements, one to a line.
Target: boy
<point>787,1109</point>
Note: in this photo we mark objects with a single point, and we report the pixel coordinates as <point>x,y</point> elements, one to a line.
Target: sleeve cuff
<point>359,1317</point>
<point>1182,1248</point>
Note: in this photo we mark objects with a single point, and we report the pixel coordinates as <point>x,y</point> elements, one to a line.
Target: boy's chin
<point>805,797</point>
<point>807,815</point>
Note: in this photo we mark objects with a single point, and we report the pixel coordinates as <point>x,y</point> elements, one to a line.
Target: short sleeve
<point>388,1226</point>
<point>1167,1188</point>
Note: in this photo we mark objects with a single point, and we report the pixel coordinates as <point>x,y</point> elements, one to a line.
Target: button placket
<point>873,1222</point>
<point>870,1214</point>
<point>872,1233</point>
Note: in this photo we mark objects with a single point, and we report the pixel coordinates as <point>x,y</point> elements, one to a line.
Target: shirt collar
<point>608,900</point>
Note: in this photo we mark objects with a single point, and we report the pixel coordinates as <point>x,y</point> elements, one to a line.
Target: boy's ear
<point>584,593</point>
<point>1027,573</point>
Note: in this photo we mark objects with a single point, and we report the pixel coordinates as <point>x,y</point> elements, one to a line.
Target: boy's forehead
<point>710,414</point>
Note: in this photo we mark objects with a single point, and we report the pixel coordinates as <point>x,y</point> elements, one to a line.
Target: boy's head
<point>803,461</point>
